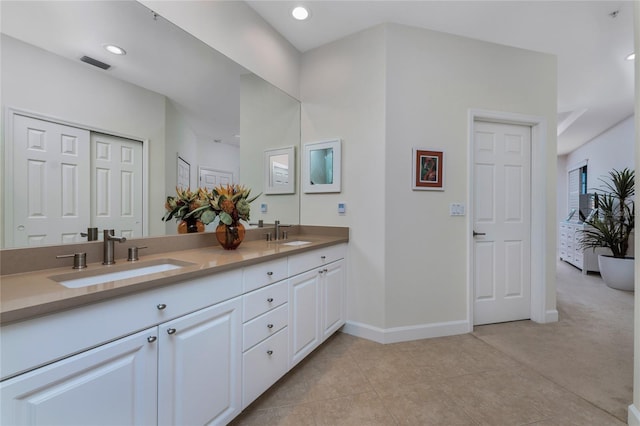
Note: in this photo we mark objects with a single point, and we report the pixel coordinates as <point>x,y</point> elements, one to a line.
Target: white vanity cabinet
<point>199,366</point>
<point>185,370</point>
<point>316,299</point>
<point>114,384</point>
<point>571,251</point>
<point>265,347</point>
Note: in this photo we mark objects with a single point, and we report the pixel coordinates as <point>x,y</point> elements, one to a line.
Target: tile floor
<point>465,380</point>
<point>457,380</point>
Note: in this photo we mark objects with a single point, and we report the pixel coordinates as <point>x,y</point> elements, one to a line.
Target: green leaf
<point>226,218</point>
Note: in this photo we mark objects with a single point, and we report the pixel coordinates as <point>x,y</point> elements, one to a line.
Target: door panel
<point>117,184</point>
<point>502,221</point>
<point>50,187</point>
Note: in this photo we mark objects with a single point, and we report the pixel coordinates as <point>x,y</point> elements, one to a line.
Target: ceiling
<point>595,83</point>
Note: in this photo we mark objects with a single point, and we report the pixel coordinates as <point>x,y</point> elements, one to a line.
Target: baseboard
<point>551,316</point>
<point>634,416</point>
<point>404,334</point>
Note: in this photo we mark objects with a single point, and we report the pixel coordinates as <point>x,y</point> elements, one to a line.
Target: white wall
<point>237,31</point>
<point>613,149</point>
<point>433,79</point>
<point>634,409</point>
<point>78,93</point>
<point>384,91</point>
<point>343,95</point>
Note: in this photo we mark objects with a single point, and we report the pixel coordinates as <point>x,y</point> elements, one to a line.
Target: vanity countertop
<point>30,294</point>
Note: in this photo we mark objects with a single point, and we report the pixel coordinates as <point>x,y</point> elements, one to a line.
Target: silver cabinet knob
<point>171,331</point>
<point>151,339</point>
<point>320,271</point>
<point>161,306</point>
<point>269,325</point>
<point>323,257</point>
<point>269,273</point>
<point>269,352</point>
<point>325,270</point>
<point>270,300</point>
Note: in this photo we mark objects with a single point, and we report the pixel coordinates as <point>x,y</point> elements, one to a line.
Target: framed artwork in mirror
<point>321,163</point>
<point>427,170</point>
<point>280,171</point>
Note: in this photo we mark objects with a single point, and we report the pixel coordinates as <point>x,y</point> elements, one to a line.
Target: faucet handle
<point>133,253</point>
<point>79,259</point>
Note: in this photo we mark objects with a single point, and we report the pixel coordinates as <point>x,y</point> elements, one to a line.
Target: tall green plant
<point>614,221</point>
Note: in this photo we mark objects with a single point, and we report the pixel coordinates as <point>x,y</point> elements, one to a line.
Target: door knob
<point>475,234</point>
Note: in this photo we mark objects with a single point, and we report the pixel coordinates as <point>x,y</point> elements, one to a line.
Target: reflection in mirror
<point>279,171</point>
<point>321,166</point>
<point>170,93</point>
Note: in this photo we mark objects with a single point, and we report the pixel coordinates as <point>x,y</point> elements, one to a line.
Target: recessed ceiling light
<point>300,13</point>
<point>631,56</point>
<point>116,50</point>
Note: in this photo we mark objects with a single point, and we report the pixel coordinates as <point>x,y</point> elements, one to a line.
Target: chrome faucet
<point>108,245</point>
<point>276,230</point>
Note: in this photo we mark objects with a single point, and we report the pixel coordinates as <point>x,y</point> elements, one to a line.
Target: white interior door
<point>116,195</point>
<point>502,222</point>
<point>210,178</point>
<point>50,189</point>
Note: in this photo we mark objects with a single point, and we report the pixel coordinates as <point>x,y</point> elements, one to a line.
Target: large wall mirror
<point>169,96</point>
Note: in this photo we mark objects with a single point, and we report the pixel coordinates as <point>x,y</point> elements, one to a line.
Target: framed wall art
<point>427,170</point>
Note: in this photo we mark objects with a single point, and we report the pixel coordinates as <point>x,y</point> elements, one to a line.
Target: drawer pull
<point>269,273</point>
<point>161,306</point>
<point>269,352</point>
<point>270,300</point>
<point>320,271</point>
<point>323,257</point>
<point>171,331</point>
<point>269,325</point>
<point>151,339</point>
<point>325,270</point>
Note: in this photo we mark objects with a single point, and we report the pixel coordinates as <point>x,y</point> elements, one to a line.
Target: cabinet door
<point>333,298</point>
<point>199,371</point>
<point>304,315</point>
<point>113,384</point>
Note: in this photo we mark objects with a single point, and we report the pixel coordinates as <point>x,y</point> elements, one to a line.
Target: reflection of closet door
<point>210,178</point>
<point>116,184</point>
<point>50,188</point>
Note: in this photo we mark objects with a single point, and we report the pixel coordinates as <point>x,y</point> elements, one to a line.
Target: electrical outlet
<point>342,207</point>
<point>263,208</point>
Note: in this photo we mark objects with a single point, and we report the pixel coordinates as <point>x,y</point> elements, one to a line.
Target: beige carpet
<point>589,351</point>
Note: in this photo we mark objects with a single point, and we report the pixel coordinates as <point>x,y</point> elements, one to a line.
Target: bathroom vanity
<point>195,344</point>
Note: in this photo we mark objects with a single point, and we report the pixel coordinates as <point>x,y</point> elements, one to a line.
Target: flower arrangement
<point>228,202</point>
<point>187,204</point>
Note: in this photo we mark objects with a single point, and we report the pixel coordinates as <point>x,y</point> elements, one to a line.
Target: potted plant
<point>612,226</point>
<point>191,209</point>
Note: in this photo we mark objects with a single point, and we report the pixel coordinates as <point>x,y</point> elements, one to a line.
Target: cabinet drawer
<point>263,365</point>
<point>260,301</point>
<point>264,326</point>
<point>29,344</point>
<point>312,259</point>
<point>262,274</point>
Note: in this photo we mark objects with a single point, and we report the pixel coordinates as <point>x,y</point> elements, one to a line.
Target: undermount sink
<point>118,272</point>
<point>296,243</point>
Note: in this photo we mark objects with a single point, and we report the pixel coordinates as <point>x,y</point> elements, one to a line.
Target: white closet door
<point>116,184</point>
<point>50,190</point>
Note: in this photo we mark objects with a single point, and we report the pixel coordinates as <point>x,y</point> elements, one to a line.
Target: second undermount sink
<point>118,272</point>
<point>296,243</point>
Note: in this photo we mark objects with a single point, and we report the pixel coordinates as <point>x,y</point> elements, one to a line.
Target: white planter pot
<point>617,273</point>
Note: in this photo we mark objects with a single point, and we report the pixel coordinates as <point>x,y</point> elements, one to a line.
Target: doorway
<point>539,273</point>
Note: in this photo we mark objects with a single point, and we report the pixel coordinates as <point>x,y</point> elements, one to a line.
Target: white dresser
<point>570,251</point>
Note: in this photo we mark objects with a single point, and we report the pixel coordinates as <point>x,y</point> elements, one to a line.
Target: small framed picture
<point>427,170</point>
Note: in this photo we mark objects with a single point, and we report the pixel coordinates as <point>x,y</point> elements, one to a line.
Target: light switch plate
<point>456,209</point>
<point>342,207</point>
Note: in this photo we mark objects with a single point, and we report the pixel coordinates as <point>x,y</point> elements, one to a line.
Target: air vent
<point>95,62</point>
